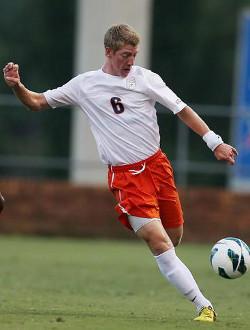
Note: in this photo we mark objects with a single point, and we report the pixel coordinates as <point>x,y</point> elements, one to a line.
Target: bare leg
<point>171,267</point>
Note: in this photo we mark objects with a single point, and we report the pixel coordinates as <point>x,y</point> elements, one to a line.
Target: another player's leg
<point>1,202</point>
<point>175,234</point>
<point>172,268</point>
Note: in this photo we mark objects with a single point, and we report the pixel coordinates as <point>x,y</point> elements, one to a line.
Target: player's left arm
<point>222,151</point>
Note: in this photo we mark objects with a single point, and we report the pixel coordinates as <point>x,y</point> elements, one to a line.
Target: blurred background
<point>195,46</point>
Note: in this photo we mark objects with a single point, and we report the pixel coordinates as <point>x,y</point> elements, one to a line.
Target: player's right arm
<point>32,100</point>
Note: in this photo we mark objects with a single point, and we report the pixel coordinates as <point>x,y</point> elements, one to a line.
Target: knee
<point>156,237</point>
<point>159,244</point>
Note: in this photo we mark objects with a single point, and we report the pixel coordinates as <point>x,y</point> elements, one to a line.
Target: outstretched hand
<point>226,152</point>
<point>11,74</point>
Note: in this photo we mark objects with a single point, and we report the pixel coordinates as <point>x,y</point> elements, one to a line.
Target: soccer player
<point>118,100</point>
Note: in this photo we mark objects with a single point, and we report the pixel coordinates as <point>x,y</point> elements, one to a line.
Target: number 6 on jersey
<point>117,105</point>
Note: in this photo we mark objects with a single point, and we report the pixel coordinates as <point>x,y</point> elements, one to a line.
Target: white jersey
<point>120,111</point>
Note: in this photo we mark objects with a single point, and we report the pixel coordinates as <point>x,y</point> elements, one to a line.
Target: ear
<point>108,51</point>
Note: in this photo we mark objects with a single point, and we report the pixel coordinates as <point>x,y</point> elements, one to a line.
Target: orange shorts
<point>146,189</point>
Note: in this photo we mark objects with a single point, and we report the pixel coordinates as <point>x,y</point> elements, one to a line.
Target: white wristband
<point>212,140</point>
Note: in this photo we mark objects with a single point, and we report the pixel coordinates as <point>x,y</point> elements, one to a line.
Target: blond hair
<point>119,35</point>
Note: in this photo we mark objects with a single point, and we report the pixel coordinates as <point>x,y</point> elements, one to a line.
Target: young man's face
<point>122,60</point>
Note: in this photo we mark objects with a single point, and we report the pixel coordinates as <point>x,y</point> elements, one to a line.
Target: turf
<point>107,285</point>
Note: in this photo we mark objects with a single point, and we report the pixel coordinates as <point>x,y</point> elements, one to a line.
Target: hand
<point>11,74</point>
<point>226,152</point>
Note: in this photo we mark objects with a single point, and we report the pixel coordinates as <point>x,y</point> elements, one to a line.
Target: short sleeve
<point>66,95</point>
<point>161,93</point>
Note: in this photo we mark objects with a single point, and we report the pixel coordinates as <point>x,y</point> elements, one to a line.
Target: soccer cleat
<point>207,314</point>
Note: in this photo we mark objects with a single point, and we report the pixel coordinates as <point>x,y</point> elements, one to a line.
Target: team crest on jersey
<point>131,83</point>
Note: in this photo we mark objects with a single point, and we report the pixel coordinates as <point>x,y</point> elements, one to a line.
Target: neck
<point>107,68</point>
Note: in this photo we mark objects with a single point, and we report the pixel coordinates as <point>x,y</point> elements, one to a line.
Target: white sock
<point>180,276</point>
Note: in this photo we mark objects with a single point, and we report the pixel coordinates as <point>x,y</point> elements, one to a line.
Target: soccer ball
<point>230,257</point>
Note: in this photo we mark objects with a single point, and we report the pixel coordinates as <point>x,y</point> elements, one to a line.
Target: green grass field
<point>107,285</point>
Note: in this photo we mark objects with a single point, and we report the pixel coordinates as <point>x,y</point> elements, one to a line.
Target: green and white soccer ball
<point>230,257</point>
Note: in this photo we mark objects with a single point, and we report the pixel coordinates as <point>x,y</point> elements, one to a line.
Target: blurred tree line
<point>39,36</point>
<point>193,49</point>
<point>193,46</point>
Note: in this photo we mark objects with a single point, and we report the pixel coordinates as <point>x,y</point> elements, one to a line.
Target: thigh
<point>137,222</point>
